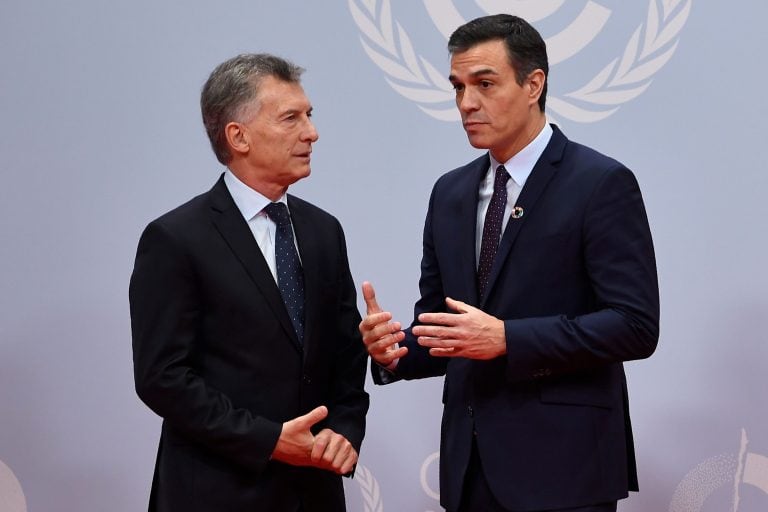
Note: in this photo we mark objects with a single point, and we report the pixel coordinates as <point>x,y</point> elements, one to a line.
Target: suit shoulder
<point>176,226</point>
<point>469,171</point>
<point>586,169</point>
<point>582,156</point>
<point>298,205</point>
<point>189,211</point>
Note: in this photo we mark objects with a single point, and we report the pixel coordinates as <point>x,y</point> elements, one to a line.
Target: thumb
<point>314,416</point>
<point>370,299</point>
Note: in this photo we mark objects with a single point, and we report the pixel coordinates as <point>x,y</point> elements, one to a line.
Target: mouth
<point>472,124</point>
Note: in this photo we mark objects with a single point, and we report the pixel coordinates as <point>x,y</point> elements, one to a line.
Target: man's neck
<point>272,191</point>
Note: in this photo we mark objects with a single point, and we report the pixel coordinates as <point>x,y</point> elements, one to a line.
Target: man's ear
<point>536,81</point>
<point>237,137</point>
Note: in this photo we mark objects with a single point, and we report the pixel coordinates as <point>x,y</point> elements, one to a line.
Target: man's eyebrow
<point>476,74</point>
<point>294,110</point>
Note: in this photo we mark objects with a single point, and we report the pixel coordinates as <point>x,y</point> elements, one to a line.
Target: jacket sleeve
<point>620,264</point>
<point>349,402</point>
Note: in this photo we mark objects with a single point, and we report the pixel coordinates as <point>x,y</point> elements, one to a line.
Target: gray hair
<point>231,90</point>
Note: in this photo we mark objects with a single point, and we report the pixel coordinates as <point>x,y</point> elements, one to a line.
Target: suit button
<point>306,379</point>
<point>470,411</point>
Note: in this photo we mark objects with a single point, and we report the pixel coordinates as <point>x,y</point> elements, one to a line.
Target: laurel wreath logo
<point>369,488</point>
<point>729,469</point>
<point>649,48</point>
<point>11,495</point>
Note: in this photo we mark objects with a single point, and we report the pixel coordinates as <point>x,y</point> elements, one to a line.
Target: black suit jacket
<point>216,356</point>
<point>575,282</point>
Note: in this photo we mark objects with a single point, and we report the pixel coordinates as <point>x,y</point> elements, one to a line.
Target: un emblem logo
<point>725,476</point>
<point>620,77</point>
<point>11,496</point>
<point>370,492</point>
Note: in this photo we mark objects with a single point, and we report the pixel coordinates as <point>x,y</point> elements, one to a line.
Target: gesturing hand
<point>380,334</point>
<point>470,332</point>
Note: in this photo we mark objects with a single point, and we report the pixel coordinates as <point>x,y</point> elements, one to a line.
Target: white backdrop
<point>100,132</point>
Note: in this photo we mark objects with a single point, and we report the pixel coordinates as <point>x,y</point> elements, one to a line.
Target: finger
<point>386,348</point>
<point>430,342</point>
<point>384,335</point>
<point>369,295</point>
<point>314,416</point>
<point>335,443</point>
<point>439,318</point>
<point>319,445</point>
<point>457,305</point>
<point>374,320</point>
<point>387,358</point>
<point>432,331</point>
<point>344,449</point>
<point>443,352</point>
<point>349,463</point>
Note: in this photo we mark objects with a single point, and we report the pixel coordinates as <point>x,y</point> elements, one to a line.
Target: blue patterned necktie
<point>290,278</point>
<point>494,218</point>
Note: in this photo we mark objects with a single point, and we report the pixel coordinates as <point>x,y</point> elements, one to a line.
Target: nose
<point>467,101</point>
<point>309,133</point>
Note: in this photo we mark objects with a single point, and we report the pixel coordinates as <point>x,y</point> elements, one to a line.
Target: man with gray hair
<point>244,317</point>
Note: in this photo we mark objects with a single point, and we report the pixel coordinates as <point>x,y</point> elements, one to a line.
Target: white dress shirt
<point>251,203</point>
<point>519,168</point>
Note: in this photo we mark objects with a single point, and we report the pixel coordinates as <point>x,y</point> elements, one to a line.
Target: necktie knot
<point>278,212</point>
<point>502,176</point>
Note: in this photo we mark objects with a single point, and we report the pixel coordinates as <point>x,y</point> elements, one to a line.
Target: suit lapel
<point>309,242</point>
<point>234,229</point>
<point>467,224</point>
<point>542,173</point>
<point>306,243</point>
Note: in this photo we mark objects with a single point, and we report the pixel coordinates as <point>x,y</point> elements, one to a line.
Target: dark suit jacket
<point>216,356</point>
<point>575,282</point>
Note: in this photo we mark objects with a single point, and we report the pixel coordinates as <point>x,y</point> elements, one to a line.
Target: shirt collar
<point>248,201</point>
<point>521,164</point>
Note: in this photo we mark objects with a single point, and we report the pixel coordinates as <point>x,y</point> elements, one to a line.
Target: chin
<point>477,143</point>
<point>303,173</point>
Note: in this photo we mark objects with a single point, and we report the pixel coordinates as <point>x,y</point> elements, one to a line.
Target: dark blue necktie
<point>290,278</point>
<point>494,218</point>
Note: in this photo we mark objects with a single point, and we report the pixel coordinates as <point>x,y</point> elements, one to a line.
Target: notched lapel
<point>308,241</point>
<point>467,224</point>
<point>544,170</point>
<point>235,231</point>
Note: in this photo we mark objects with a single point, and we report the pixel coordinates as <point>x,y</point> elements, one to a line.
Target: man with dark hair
<point>538,280</point>
<point>245,336</point>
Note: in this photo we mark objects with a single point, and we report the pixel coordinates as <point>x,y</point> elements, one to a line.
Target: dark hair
<point>526,49</point>
<point>230,91</point>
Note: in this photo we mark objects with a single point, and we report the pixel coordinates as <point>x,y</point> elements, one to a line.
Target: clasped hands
<point>469,332</point>
<point>327,450</point>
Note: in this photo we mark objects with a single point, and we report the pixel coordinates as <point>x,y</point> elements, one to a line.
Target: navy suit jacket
<point>215,355</point>
<point>575,282</point>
